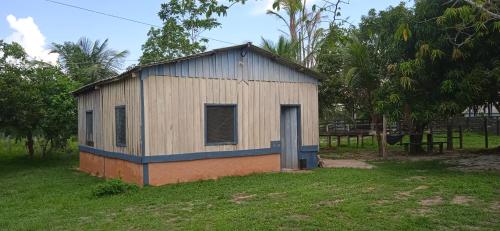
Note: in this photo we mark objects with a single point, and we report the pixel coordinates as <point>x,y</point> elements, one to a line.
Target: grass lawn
<point>52,195</point>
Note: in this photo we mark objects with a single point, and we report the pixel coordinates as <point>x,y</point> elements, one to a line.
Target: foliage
<point>87,61</point>
<point>427,62</point>
<point>35,100</point>
<point>283,48</point>
<point>304,25</point>
<point>113,187</point>
<point>183,23</point>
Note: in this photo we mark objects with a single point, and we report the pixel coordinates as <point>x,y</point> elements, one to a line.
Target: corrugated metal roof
<point>276,58</point>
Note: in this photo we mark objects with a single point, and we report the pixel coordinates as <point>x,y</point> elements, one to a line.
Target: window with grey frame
<point>120,126</point>
<point>89,128</point>
<point>221,124</point>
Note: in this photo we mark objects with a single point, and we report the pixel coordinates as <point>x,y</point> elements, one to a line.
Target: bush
<point>113,187</point>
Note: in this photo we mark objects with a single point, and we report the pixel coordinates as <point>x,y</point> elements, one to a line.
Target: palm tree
<point>303,27</point>
<point>284,47</point>
<point>87,61</point>
<point>292,18</point>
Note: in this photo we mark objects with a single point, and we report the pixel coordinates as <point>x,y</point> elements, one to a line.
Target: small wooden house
<point>231,111</point>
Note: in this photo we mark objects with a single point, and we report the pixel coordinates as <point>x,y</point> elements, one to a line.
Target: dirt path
<point>476,163</point>
<point>328,163</point>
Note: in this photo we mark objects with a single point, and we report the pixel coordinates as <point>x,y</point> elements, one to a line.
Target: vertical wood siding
<point>103,102</point>
<point>87,102</point>
<point>174,109</point>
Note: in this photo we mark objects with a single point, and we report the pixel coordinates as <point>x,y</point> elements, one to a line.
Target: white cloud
<point>27,34</point>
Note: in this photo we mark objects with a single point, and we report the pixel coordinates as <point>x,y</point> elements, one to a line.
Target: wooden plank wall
<point>86,102</point>
<point>103,101</point>
<point>174,112</point>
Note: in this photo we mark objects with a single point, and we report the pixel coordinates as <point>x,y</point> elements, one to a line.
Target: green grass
<point>51,195</point>
<point>471,141</point>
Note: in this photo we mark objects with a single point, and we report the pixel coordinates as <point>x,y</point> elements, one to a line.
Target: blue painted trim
<point>309,148</point>
<point>178,157</point>
<point>311,157</point>
<point>207,155</point>
<point>299,126</point>
<point>118,144</point>
<point>86,128</point>
<point>145,174</point>
<point>115,155</point>
<point>276,146</point>
<point>235,125</point>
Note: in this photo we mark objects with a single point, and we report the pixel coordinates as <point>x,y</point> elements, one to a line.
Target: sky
<point>36,24</point>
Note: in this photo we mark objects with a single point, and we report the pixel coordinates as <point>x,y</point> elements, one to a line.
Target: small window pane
<point>121,126</point>
<point>221,124</point>
<point>89,128</point>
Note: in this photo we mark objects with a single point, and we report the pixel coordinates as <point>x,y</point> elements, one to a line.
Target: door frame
<point>299,129</point>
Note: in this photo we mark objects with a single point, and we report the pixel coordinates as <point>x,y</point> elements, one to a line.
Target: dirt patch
<point>382,202</point>
<point>276,195</point>
<point>476,163</point>
<point>298,217</point>
<point>462,200</point>
<point>416,178</point>
<point>369,189</point>
<point>421,211</point>
<point>328,163</point>
<point>403,195</point>
<point>436,200</point>
<point>285,170</point>
<point>495,206</point>
<point>239,198</point>
<point>329,203</point>
<point>406,194</point>
<point>421,187</point>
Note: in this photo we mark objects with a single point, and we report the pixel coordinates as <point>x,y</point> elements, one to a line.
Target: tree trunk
<point>378,132</point>
<point>416,139</point>
<point>30,144</point>
<point>45,145</point>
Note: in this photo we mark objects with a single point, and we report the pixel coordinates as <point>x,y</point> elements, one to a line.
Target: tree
<point>87,61</point>
<point>283,48</point>
<point>333,93</point>
<point>473,29</point>
<point>183,23</point>
<point>35,100</point>
<point>59,109</point>
<point>489,7</point>
<point>304,25</point>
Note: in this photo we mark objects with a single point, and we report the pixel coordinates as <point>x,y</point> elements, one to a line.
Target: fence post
<point>460,137</point>
<point>498,126</point>
<point>430,143</point>
<point>384,136</point>
<point>486,132</point>
<point>449,135</point>
<point>329,141</point>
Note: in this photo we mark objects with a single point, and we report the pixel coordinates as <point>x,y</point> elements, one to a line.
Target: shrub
<point>113,187</point>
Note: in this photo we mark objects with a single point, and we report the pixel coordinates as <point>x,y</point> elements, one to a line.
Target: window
<point>89,128</point>
<point>220,124</point>
<point>121,126</point>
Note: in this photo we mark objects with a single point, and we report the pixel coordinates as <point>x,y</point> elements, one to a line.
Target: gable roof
<point>250,46</point>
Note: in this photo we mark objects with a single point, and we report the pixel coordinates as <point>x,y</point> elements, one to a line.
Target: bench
<point>430,146</point>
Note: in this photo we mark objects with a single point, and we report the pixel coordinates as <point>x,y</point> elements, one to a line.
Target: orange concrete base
<point>111,168</point>
<point>185,171</point>
<point>175,172</point>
